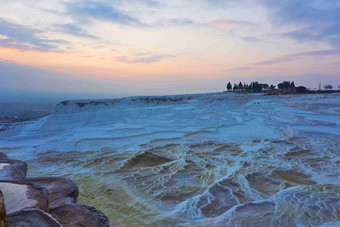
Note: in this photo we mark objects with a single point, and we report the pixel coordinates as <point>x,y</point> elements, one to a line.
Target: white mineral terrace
<point>193,159</point>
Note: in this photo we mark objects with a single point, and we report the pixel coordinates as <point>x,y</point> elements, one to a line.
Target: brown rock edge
<point>43,201</point>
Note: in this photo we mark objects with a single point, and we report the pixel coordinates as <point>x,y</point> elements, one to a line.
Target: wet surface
<point>217,161</point>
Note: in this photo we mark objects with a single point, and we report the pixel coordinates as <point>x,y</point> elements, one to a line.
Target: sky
<point>101,48</point>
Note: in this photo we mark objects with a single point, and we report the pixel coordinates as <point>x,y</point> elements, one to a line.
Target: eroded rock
<point>313,205</point>
<point>292,177</point>
<point>3,214</point>
<point>265,184</point>
<point>221,201</point>
<point>79,215</point>
<point>3,156</point>
<point>309,205</point>
<point>21,195</point>
<point>146,159</point>
<point>60,190</point>
<point>32,217</point>
<point>12,169</point>
<point>257,214</point>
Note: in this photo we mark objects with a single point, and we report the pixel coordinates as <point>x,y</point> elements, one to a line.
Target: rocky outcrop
<point>3,215</point>
<point>73,214</point>
<point>19,195</point>
<point>12,169</point>
<point>43,201</point>
<point>60,190</point>
<point>32,217</point>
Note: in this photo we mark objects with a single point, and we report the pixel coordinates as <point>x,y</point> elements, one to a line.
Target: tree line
<point>253,86</point>
<point>258,87</point>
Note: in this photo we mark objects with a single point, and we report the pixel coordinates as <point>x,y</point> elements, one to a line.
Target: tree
<point>328,87</point>
<point>235,87</point>
<point>301,89</point>
<point>250,87</point>
<point>256,87</point>
<point>240,86</point>
<point>246,87</point>
<point>285,84</point>
<point>265,86</point>
<point>272,87</point>
<point>229,87</point>
<point>292,84</point>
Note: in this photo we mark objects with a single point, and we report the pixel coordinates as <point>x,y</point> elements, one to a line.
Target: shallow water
<point>205,159</point>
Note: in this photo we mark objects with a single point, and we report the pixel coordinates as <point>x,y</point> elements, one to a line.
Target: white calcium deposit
<point>187,158</point>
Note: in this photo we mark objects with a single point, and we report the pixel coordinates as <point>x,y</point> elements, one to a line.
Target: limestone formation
<point>3,215</point>
<point>60,190</point>
<point>32,217</point>
<point>298,206</point>
<point>3,156</point>
<point>19,195</point>
<point>12,169</point>
<point>43,201</point>
<point>79,215</point>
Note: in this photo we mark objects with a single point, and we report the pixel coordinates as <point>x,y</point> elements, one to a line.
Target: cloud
<point>83,10</point>
<point>251,39</point>
<point>26,38</point>
<point>144,58</point>
<point>236,69</point>
<point>320,19</point>
<point>175,22</point>
<point>73,29</point>
<point>225,24</point>
<point>288,58</point>
<point>5,61</point>
<point>293,57</point>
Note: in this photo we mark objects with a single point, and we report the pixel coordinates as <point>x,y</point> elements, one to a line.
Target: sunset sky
<point>141,47</point>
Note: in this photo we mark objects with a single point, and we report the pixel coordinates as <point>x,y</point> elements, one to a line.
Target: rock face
<point>44,201</point>
<point>60,190</point>
<point>3,156</point>
<point>3,215</point>
<point>19,195</point>
<point>79,215</point>
<point>12,169</point>
<point>32,217</point>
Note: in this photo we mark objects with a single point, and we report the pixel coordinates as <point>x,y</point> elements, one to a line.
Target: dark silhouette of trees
<point>285,84</point>
<point>328,87</point>
<point>235,87</point>
<point>229,87</point>
<point>285,87</point>
<point>301,89</point>
<point>256,87</point>
<point>240,86</point>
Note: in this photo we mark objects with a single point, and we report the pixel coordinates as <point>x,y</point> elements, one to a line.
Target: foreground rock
<point>19,195</point>
<point>3,215</point>
<point>44,201</point>
<point>3,156</point>
<point>32,217</point>
<point>12,169</point>
<point>60,190</point>
<point>79,215</point>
